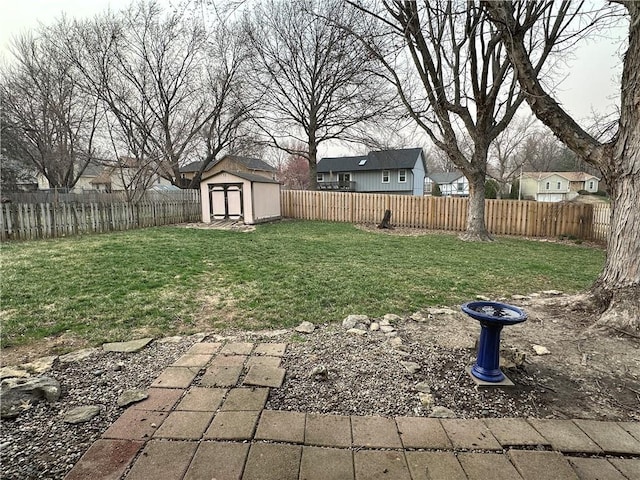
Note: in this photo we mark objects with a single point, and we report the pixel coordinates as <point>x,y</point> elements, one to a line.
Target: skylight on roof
<point>362,162</point>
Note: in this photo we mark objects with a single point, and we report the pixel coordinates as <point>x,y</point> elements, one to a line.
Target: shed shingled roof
<point>249,162</point>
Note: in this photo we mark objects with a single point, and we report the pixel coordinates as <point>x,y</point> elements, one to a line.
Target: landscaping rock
<point>81,414</point>
<point>423,387</point>
<point>552,293</point>
<point>357,331</point>
<point>426,399</point>
<point>540,350</point>
<point>395,342</point>
<point>352,320</point>
<point>374,327</point>
<point>441,311</point>
<point>13,372</point>
<point>319,373</point>
<point>392,318</point>
<point>16,394</point>
<point>387,328</point>
<point>519,297</point>
<point>483,298</point>
<point>442,412</point>
<point>127,347</point>
<point>78,355</point>
<point>418,317</point>
<point>131,396</point>
<point>411,367</point>
<point>305,327</point>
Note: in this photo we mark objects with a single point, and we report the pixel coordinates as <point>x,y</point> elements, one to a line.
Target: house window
<point>385,176</point>
<point>460,186</point>
<point>591,185</point>
<point>548,186</point>
<point>320,177</point>
<point>559,185</point>
<point>402,176</point>
<point>344,178</point>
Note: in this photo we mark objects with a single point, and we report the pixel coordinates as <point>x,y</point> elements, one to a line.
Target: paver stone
<point>202,399</point>
<point>232,426</point>
<point>328,430</point>
<point>268,461</point>
<point>222,461</point>
<point>380,465</point>
<point>434,466</point>
<point>610,436</point>
<point>469,434</point>
<point>595,469</point>
<point>184,425</point>
<point>246,399</point>
<point>565,436</point>
<point>484,466</point>
<point>375,432</point>
<point>542,465</point>
<point>326,464</point>
<point>420,432</point>
<point>281,426</point>
<point>514,432</point>
<point>163,459</point>
<point>109,457</point>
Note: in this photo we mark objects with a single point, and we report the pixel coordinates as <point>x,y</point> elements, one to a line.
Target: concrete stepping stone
<point>271,349</point>
<point>221,376</point>
<point>246,399</point>
<point>380,464</point>
<point>232,426</point>
<point>434,466</point>
<point>375,432</point>
<point>135,425</point>
<point>237,348</point>
<point>159,399</point>
<point>565,436</point>
<point>595,469</point>
<point>514,432</point>
<point>610,436</point>
<point>484,466</point>
<point>109,457</point>
<point>176,377</point>
<point>420,432</point>
<point>192,360</point>
<point>163,459</point>
<point>328,430</point>
<point>541,465</point>
<point>326,464</point>
<point>202,399</point>
<point>204,348</point>
<point>268,461</point>
<point>183,425</point>
<point>629,467</point>
<point>469,434</point>
<point>264,376</point>
<point>218,460</point>
<point>281,426</point>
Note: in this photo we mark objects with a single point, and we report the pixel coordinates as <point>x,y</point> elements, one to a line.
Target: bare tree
<point>465,87</point>
<point>617,290</point>
<point>316,82</point>
<point>52,122</point>
<point>507,153</point>
<point>171,83</point>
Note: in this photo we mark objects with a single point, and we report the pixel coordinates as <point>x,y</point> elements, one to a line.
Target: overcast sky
<point>592,81</point>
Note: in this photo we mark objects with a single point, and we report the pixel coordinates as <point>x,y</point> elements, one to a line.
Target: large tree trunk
<point>476,228</point>
<point>617,290</point>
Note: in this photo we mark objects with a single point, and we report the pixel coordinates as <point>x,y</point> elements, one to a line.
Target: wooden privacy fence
<point>502,217</point>
<point>22,221</point>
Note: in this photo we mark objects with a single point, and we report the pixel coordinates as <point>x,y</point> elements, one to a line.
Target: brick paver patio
<point>205,418</point>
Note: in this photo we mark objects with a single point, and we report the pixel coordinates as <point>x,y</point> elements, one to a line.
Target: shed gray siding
<point>372,182</point>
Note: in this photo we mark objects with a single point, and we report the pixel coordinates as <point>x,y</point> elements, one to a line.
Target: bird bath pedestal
<point>493,316</point>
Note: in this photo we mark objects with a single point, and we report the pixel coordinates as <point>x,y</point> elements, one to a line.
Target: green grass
<point>167,280</point>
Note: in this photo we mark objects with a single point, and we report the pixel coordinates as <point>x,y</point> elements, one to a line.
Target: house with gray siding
<point>451,184</point>
<point>400,172</point>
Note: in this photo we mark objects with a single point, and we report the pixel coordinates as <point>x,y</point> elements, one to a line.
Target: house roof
<point>244,175</point>
<point>445,178</point>
<point>571,176</point>
<point>380,160</point>
<point>249,162</point>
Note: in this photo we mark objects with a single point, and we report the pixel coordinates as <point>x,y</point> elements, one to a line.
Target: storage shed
<point>239,196</point>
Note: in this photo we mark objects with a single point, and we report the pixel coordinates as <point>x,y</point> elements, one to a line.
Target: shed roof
<point>249,162</point>
<point>244,175</point>
<point>380,160</point>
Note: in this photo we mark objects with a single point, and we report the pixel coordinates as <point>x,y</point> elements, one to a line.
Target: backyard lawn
<point>168,280</point>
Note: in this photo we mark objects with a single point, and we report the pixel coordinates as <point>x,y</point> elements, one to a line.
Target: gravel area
<point>365,376</point>
<point>39,445</point>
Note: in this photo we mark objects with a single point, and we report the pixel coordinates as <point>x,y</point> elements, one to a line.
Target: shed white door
<point>225,201</point>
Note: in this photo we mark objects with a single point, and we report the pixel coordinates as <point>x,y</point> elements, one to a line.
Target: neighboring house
<point>106,176</point>
<point>556,186</point>
<point>229,163</point>
<point>451,184</point>
<point>388,171</point>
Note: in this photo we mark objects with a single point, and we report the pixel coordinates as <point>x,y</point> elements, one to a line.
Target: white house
<point>556,186</point>
<point>451,184</point>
